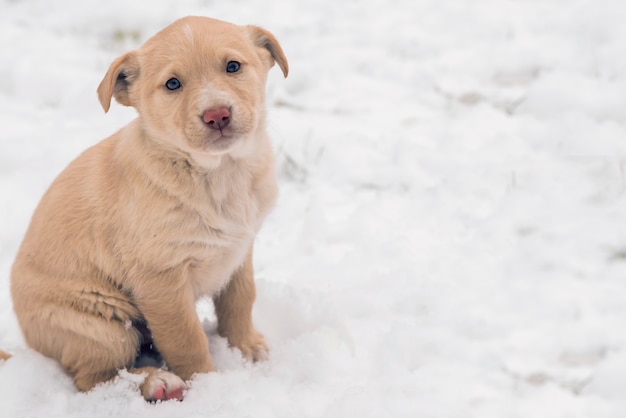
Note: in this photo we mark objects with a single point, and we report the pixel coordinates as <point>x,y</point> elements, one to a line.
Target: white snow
<point>450,239</point>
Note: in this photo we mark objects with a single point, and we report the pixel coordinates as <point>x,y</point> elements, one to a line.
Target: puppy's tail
<point>4,356</point>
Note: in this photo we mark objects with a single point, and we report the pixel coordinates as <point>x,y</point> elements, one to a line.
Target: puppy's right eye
<point>173,84</point>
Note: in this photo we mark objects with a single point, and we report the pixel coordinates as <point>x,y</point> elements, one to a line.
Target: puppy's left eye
<point>232,67</point>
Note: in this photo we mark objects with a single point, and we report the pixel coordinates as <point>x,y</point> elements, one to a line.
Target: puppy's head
<point>199,84</point>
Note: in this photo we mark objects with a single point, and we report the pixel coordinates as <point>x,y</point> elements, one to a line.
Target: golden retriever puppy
<point>164,212</point>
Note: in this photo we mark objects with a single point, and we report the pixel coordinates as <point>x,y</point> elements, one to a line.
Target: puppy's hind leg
<point>159,384</point>
<point>90,362</point>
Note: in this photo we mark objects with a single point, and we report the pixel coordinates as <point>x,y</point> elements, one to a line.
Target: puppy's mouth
<point>219,139</point>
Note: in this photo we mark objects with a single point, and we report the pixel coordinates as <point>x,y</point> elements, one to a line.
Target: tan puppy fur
<point>160,214</point>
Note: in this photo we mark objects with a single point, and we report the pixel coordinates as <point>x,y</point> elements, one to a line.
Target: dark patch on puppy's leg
<point>147,354</point>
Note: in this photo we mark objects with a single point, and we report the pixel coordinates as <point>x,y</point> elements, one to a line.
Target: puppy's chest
<point>229,213</point>
<point>225,227</point>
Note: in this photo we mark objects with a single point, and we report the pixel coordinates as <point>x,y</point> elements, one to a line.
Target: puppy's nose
<point>216,118</point>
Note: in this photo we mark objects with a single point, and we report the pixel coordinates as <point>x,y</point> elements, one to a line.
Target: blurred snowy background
<point>450,240</point>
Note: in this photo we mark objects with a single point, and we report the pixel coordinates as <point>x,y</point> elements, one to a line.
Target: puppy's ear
<point>116,83</point>
<point>265,39</point>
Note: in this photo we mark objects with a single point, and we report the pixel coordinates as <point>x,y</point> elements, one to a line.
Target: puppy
<point>164,212</point>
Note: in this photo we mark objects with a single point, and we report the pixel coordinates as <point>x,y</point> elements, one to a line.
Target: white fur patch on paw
<point>162,385</point>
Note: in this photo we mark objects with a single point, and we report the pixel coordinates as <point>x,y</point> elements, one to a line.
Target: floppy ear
<point>117,81</point>
<point>265,39</point>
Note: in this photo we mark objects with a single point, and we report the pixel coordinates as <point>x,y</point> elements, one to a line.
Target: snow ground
<point>450,240</point>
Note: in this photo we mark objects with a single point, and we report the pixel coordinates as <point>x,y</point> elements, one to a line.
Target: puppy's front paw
<point>252,346</point>
<point>161,385</point>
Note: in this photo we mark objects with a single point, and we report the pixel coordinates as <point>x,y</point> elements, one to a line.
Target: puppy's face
<point>198,84</point>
